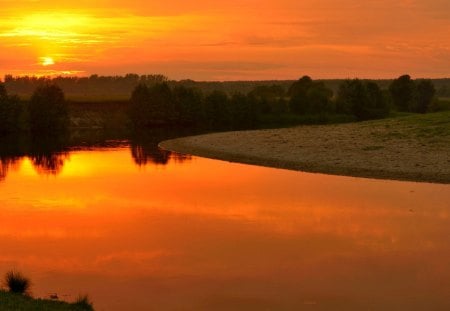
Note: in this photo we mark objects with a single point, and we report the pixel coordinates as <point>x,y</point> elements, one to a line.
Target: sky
<point>228,40</point>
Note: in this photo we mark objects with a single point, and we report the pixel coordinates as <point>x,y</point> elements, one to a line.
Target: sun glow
<point>47,61</point>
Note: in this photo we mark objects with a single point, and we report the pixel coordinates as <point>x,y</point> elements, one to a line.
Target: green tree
<point>425,95</point>
<point>217,110</point>
<point>299,102</point>
<point>48,110</point>
<point>150,106</point>
<point>139,109</point>
<point>309,97</point>
<point>364,100</point>
<point>7,112</point>
<point>244,113</point>
<point>188,105</point>
<point>403,92</point>
<point>269,98</point>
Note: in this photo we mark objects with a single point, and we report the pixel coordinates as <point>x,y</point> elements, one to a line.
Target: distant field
<point>114,91</point>
<point>413,147</point>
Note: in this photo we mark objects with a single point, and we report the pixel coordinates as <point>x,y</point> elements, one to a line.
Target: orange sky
<point>209,40</point>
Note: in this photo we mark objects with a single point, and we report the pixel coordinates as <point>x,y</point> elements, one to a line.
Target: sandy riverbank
<point>413,148</point>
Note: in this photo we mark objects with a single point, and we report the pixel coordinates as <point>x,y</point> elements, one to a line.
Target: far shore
<point>412,148</point>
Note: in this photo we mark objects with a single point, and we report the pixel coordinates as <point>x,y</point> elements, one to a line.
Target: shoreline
<point>393,149</point>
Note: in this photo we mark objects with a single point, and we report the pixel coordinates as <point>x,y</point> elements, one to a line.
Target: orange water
<point>202,234</point>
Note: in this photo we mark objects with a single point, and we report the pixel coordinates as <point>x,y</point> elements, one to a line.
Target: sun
<point>47,61</point>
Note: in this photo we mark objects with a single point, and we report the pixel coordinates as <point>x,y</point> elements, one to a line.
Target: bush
<point>17,283</point>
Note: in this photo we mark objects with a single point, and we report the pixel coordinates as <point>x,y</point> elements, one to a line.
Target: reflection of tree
<point>48,153</point>
<point>142,155</point>
<point>5,164</point>
<point>49,164</point>
<point>144,148</point>
<point>12,148</point>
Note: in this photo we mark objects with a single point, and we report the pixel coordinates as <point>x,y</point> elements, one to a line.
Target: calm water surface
<point>139,230</point>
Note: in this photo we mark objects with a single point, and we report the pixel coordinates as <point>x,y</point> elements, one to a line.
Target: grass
<point>290,119</point>
<point>435,126</point>
<point>17,302</point>
<point>17,283</point>
<point>18,298</point>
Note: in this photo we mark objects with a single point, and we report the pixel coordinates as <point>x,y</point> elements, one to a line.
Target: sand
<point>386,149</point>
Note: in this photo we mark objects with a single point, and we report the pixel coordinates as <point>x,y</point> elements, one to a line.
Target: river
<point>139,229</point>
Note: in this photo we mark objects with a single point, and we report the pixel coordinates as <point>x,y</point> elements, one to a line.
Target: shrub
<point>17,283</point>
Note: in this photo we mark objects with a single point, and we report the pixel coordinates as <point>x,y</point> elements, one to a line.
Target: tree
<point>244,112</point>
<point>11,112</point>
<point>188,105</point>
<point>153,105</point>
<point>299,102</point>
<point>217,110</point>
<point>139,106</point>
<point>48,110</point>
<point>377,106</point>
<point>364,100</point>
<point>425,95</point>
<point>269,99</point>
<point>309,97</point>
<point>403,91</point>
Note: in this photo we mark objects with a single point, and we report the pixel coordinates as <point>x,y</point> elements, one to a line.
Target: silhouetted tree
<point>425,95</point>
<point>154,105</point>
<point>11,112</point>
<point>244,113</point>
<point>139,110</point>
<point>269,98</point>
<point>403,92</point>
<point>217,110</point>
<point>48,110</point>
<point>364,100</point>
<point>188,105</point>
<point>309,97</point>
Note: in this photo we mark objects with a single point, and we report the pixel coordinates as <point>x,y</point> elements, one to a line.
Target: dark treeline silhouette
<point>93,86</point>
<point>412,96</point>
<point>305,100</point>
<point>363,99</point>
<point>12,113</point>
<point>155,101</point>
<point>46,111</point>
<point>99,88</point>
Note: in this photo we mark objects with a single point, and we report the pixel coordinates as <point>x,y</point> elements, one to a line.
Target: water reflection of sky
<point>52,161</point>
<point>211,235</point>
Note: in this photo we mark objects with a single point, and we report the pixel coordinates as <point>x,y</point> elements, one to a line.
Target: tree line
<point>155,102</point>
<point>46,111</point>
<point>97,87</point>
<point>160,104</point>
